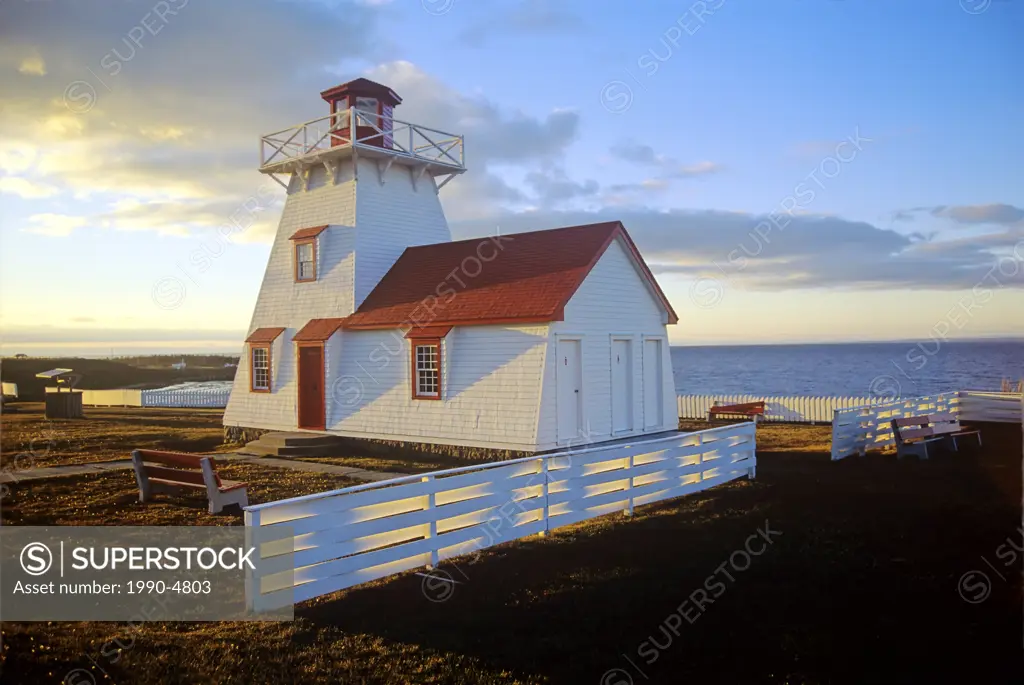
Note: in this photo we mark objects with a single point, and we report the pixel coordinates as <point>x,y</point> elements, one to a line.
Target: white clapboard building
<point>372,323</point>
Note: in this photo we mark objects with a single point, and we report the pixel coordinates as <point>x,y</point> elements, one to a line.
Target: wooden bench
<point>918,434</point>
<point>749,410</point>
<point>157,471</point>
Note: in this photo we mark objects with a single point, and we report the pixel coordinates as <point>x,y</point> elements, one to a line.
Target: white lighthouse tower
<point>362,186</point>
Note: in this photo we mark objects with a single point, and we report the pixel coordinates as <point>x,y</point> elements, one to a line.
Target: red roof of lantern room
<point>362,87</point>
<point>518,278</point>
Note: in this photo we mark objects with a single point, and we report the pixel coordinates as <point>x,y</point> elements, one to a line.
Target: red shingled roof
<point>317,330</point>
<point>264,335</point>
<point>518,278</point>
<point>311,232</point>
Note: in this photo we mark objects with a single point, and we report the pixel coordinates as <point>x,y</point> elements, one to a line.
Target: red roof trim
<point>318,330</point>
<point>434,332</point>
<point>264,335</point>
<point>311,232</point>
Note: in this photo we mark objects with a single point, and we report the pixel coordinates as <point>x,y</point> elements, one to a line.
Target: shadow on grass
<point>861,585</point>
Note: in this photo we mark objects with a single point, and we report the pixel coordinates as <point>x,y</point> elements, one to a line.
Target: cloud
<point>499,139</point>
<point>524,18</point>
<point>967,215</point>
<point>54,224</point>
<point>799,251</point>
<point>981,214</point>
<point>33,65</point>
<point>666,167</point>
<point>24,188</point>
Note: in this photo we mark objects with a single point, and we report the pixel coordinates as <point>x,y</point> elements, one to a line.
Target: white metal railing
<point>855,431</point>
<point>401,138</point>
<point>314,545</point>
<point>795,409</point>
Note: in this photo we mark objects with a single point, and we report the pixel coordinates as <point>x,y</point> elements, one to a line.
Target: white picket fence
<point>161,397</point>
<point>314,545</point>
<point>797,409</point>
<point>186,398</point>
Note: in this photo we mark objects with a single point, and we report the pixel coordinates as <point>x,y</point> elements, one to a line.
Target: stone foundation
<point>237,435</point>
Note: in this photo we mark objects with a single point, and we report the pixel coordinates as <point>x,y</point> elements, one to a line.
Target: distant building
<point>179,366</point>
<point>371,323</point>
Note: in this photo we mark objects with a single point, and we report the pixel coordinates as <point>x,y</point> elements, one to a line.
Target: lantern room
<point>374,105</point>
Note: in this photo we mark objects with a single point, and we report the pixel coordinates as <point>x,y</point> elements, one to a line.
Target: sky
<point>792,171</point>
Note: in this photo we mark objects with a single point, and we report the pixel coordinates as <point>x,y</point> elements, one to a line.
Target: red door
<point>311,387</point>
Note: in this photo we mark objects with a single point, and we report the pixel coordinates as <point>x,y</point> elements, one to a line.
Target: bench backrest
<point>751,407</point>
<point>184,468</point>
<point>927,425</point>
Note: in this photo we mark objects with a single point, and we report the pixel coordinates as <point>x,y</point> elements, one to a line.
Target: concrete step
<point>262,448</point>
<point>295,439</point>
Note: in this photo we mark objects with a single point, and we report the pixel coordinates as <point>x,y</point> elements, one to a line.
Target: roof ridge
<point>611,224</point>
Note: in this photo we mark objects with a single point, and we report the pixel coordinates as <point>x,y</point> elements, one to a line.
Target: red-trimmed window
<point>259,368</point>
<point>305,260</point>
<point>426,368</point>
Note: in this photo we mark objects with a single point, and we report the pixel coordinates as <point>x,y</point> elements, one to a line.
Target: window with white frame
<point>305,260</point>
<point>259,362</point>
<point>426,362</point>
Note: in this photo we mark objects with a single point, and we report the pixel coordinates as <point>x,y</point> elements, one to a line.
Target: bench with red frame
<point>749,410</point>
<point>157,471</point>
<point>919,434</point>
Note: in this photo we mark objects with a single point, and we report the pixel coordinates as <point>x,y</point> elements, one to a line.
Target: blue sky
<point>694,123</point>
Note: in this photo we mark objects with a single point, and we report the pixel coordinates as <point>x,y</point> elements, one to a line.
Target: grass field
<point>860,584</point>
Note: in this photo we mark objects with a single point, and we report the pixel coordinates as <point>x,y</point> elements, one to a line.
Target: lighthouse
<point>372,323</point>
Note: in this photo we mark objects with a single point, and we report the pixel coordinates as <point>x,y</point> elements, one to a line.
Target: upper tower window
<point>305,260</point>
<point>304,252</point>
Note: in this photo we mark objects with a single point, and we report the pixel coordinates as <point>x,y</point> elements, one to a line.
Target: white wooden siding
<point>369,225</point>
<point>391,217</point>
<point>491,377</point>
<point>613,300</point>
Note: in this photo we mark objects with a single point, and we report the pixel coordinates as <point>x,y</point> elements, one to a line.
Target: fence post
<point>544,494</point>
<point>252,580</point>
<point>629,487</point>
<point>700,458</point>
<point>432,531</point>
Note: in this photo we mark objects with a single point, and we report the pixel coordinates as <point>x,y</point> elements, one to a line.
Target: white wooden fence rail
<point>979,405</point>
<point>854,431</point>
<point>338,539</point>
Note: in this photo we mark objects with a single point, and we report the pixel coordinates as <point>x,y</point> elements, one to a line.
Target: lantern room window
<point>367,110</point>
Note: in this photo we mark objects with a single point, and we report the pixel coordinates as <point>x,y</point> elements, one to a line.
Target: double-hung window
<point>426,369</point>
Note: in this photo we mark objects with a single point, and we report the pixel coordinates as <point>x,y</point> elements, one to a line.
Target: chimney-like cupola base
<point>374,105</point>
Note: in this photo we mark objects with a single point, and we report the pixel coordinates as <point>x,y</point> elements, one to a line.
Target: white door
<point>569,376</point>
<point>653,406</point>
<point>622,385</point>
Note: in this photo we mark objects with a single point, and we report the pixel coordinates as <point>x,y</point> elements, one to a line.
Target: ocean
<point>906,369</point>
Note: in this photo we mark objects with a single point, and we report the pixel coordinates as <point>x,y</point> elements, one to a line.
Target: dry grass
<point>860,587</point>
<point>27,440</point>
<point>111,499</point>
